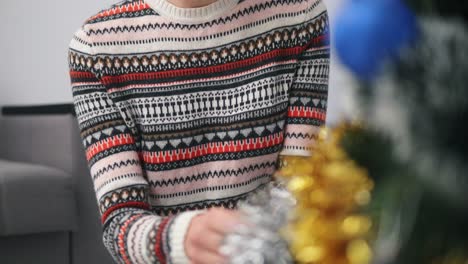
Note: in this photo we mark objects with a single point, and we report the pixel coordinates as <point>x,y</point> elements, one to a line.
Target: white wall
<point>34,41</point>
<point>35,38</point>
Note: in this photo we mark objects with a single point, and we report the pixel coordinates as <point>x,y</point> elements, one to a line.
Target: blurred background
<point>35,42</point>
<point>413,143</point>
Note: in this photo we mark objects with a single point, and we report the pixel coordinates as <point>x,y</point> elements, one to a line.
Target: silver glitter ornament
<point>259,242</point>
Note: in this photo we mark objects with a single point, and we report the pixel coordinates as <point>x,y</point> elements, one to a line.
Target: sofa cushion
<point>35,199</point>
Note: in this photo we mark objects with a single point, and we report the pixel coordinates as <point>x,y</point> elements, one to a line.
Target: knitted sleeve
<point>309,90</point>
<point>132,233</point>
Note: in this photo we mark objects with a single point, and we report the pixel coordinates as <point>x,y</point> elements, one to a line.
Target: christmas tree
<point>413,72</point>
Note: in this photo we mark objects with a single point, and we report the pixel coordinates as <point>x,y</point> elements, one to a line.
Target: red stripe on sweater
<point>212,148</point>
<point>105,144</point>
<point>306,112</point>
<point>80,74</point>
<point>204,79</point>
<point>158,246</point>
<point>201,70</point>
<point>132,7</point>
<point>121,238</point>
<point>140,205</point>
<point>319,39</point>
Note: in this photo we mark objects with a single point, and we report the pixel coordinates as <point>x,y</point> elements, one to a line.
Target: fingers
<point>206,233</point>
<point>223,221</point>
<point>205,249</point>
<point>203,242</point>
<point>209,241</point>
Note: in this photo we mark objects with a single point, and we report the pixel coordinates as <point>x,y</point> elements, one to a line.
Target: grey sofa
<point>48,209</point>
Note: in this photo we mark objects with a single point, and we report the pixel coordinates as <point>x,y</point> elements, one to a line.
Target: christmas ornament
<point>329,188</point>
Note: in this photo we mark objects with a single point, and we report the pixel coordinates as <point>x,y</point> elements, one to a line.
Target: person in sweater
<point>187,105</point>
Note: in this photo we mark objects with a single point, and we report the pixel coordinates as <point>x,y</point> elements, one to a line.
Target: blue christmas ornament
<point>369,32</point>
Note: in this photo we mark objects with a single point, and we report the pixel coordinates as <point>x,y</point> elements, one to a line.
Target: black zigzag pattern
<point>141,13</point>
<point>228,202</point>
<point>301,135</point>
<point>112,151</point>
<point>114,166</point>
<point>212,174</point>
<point>250,10</point>
<point>212,188</point>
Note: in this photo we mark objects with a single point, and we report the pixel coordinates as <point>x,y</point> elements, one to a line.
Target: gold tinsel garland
<point>329,189</point>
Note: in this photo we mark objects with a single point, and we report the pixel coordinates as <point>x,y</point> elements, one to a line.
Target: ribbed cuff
<point>177,234</point>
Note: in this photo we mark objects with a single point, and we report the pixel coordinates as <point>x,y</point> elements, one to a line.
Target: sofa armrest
<point>45,135</point>
<point>35,199</point>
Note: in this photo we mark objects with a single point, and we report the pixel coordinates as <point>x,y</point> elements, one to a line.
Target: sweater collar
<point>191,15</point>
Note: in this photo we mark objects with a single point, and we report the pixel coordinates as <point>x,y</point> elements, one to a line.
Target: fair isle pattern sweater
<point>185,109</point>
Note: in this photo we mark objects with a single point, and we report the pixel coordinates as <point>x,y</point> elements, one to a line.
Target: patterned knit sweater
<point>185,109</point>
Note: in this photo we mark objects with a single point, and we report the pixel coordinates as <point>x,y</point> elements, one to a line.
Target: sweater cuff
<point>177,233</point>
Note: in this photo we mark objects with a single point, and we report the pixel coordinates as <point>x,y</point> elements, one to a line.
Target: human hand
<point>206,233</point>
